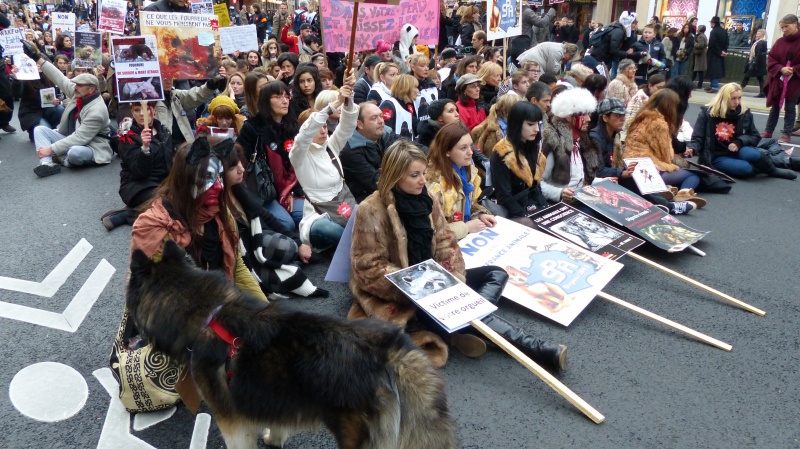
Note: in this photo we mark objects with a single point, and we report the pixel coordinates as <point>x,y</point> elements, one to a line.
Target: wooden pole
<point>701,286</point>
<point>352,46</point>
<point>679,327</point>
<point>505,58</point>
<point>540,372</point>
<point>146,113</point>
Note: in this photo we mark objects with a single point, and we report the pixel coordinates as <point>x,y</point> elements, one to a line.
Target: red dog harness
<point>233,342</point>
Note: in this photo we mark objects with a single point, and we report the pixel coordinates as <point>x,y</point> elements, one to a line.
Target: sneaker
<point>46,170</point>
<point>766,135</point>
<point>663,207</point>
<point>785,139</point>
<point>9,129</point>
<point>682,207</point>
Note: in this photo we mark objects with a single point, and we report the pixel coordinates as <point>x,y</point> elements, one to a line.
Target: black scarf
<point>415,213</point>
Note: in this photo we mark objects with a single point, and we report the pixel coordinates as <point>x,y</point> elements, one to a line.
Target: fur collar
<point>505,150</point>
<point>557,139</point>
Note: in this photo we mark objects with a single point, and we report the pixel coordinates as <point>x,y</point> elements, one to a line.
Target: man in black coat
<point>717,49</point>
<point>361,157</point>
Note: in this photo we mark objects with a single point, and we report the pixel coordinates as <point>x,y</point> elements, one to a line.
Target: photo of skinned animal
<point>134,89</point>
<point>291,370</point>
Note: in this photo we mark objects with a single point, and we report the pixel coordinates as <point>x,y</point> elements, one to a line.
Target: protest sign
<point>26,68</point>
<point>111,17</point>
<point>241,38</point>
<point>88,49</point>
<point>441,295</point>
<point>10,40</point>
<point>646,175</point>
<point>339,270</point>
<point>551,277</point>
<point>572,225</point>
<point>377,22</point>
<point>63,22</point>
<point>627,209</point>
<point>713,171</point>
<point>504,18</point>
<point>187,43</point>
<point>47,97</point>
<point>137,69</point>
<point>202,7</point>
<point>221,10</point>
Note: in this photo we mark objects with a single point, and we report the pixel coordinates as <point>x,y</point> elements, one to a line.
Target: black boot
<point>794,163</point>
<point>115,218</point>
<point>761,93</point>
<point>540,351</point>
<point>765,165</point>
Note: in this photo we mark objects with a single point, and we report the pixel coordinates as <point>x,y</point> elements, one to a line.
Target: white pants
<point>43,136</point>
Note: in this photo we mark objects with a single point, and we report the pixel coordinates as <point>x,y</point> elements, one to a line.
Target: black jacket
<point>361,89</point>
<point>361,159</point>
<point>511,191</point>
<point>613,47</point>
<point>605,144</point>
<point>759,68</point>
<point>141,171</point>
<point>717,43</point>
<point>704,136</point>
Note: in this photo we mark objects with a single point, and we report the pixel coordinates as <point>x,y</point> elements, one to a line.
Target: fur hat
<point>573,101</point>
<point>87,79</point>
<point>626,19</point>
<point>222,100</point>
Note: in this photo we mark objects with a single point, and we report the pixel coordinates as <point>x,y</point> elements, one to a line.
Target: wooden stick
<point>701,286</point>
<point>146,113</point>
<point>505,58</point>
<point>352,46</point>
<point>702,337</point>
<point>540,372</point>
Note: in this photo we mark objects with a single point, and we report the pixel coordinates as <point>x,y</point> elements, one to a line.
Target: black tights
<point>701,74</point>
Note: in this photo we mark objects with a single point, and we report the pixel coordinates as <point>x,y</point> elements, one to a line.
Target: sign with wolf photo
<point>47,96</point>
<point>441,295</point>
<point>553,278</point>
<point>241,38</point>
<point>188,44</point>
<point>10,40</point>
<point>572,225</point>
<point>88,50</point>
<point>111,17</point>
<point>646,175</point>
<point>504,18</point>
<point>627,209</point>
<point>137,69</point>
<point>63,22</point>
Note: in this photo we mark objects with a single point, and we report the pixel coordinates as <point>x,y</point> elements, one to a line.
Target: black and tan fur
<point>361,379</point>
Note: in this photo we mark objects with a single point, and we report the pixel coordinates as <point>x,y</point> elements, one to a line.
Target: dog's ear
<point>172,252</point>
<point>140,261</point>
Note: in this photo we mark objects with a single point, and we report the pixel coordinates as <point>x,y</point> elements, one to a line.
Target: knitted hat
<point>436,108</point>
<point>222,100</point>
<point>573,101</point>
<point>87,79</point>
<point>383,46</point>
<point>465,79</point>
<point>624,65</point>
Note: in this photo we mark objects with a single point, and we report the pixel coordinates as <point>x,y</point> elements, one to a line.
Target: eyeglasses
<point>534,70</point>
<point>281,97</point>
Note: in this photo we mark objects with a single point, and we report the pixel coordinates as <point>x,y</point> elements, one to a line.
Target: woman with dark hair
<point>682,49</point>
<point>288,63</point>
<point>253,83</point>
<point>513,164</point>
<point>267,139</point>
<point>468,89</point>
<point>253,60</point>
<point>440,112</point>
<point>469,64</point>
<point>31,113</point>
<point>192,207</point>
<point>64,46</point>
<point>596,85</point>
<point>683,86</point>
<point>305,88</point>
<point>782,59</point>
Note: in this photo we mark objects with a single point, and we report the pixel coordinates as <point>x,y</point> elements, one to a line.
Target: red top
<point>291,41</point>
<point>470,114</point>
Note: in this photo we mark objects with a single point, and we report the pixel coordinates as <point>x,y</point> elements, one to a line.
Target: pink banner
<point>377,22</point>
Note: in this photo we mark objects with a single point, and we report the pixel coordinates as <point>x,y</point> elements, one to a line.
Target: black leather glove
<point>30,50</point>
<point>217,83</point>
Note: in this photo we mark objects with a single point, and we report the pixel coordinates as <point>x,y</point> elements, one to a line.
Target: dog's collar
<point>233,342</point>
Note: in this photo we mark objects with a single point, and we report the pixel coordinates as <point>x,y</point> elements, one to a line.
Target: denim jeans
<point>681,178</point>
<point>614,67</point>
<point>281,214</point>
<point>679,68</point>
<point>43,136</point>
<point>739,164</point>
<point>325,234</point>
<point>714,83</point>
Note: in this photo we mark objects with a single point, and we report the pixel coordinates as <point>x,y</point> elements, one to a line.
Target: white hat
<point>573,101</point>
<point>626,19</point>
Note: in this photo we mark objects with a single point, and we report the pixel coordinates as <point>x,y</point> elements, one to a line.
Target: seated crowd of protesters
<point>432,148</point>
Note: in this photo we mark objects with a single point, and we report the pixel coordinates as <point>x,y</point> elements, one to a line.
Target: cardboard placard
<point>188,44</point>
<point>241,38</point>
<point>572,225</point>
<point>111,17</point>
<point>646,175</point>
<point>137,69</point>
<point>627,209</point>
<point>553,278</point>
<point>377,22</point>
<point>450,302</point>
<point>10,40</point>
<point>47,97</point>
<point>63,22</point>
<point>26,68</point>
<point>221,10</point>
<point>503,19</point>
<point>88,49</point>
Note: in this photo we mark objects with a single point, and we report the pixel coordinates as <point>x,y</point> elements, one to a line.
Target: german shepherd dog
<point>364,380</point>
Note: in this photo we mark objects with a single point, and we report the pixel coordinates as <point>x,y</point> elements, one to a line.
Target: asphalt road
<point>656,387</point>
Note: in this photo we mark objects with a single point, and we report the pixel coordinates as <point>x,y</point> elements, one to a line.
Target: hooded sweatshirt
<point>407,35</point>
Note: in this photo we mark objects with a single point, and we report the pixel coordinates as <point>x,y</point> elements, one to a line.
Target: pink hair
<point>383,46</point>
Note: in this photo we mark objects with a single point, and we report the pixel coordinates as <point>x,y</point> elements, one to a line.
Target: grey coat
<point>181,101</point>
<point>700,51</point>
<point>91,126</point>
<point>530,23</point>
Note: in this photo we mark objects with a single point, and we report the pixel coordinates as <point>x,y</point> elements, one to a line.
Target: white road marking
<point>48,391</point>
<point>200,434</point>
<point>76,310</point>
<point>53,281</point>
<point>142,421</point>
<point>116,431</point>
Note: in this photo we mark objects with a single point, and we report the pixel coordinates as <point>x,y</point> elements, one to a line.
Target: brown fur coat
<point>651,138</point>
<point>486,135</point>
<point>379,248</point>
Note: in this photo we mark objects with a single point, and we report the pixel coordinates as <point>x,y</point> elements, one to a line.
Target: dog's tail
<point>425,415</point>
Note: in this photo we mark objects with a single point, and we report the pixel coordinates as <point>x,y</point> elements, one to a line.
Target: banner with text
<point>377,22</point>
<point>10,40</point>
<point>188,44</point>
<point>112,16</point>
<point>627,209</point>
<point>504,18</point>
<point>137,69</point>
<point>553,278</point>
<point>441,295</point>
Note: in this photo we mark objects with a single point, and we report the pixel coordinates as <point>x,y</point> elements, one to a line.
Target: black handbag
<point>259,176</point>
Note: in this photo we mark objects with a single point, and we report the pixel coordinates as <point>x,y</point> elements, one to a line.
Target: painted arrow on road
<point>53,281</point>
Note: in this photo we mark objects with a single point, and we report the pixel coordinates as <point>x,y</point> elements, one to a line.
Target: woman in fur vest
<point>513,165</point>
<point>401,225</point>
<point>571,158</point>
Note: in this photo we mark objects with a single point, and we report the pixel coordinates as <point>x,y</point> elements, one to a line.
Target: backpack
<point>299,19</point>
<point>596,39</point>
